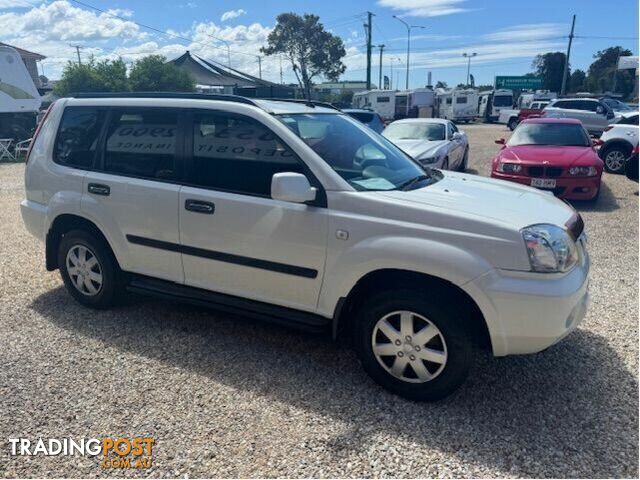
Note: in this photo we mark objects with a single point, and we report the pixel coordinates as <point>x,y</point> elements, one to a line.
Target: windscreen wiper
<point>409,183</point>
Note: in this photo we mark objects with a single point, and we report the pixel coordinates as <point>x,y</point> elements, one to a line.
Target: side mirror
<point>599,109</point>
<point>292,187</point>
<point>500,141</point>
<point>456,136</point>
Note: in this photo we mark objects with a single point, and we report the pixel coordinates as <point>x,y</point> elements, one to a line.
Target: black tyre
<point>88,269</point>
<point>414,343</point>
<point>512,124</point>
<point>465,161</point>
<point>614,157</point>
<point>445,164</point>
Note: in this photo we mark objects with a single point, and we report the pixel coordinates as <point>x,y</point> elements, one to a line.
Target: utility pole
<point>78,47</point>
<point>381,47</point>
<point>565,73</point>
<point>409,27</point>
<point>368,31</point>
<point>281,76</point>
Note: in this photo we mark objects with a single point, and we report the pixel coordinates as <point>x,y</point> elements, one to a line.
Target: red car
<point>554,154</point>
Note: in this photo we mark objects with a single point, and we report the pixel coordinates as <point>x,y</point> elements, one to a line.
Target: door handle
<point>199,206</point>
<point>99,189</point>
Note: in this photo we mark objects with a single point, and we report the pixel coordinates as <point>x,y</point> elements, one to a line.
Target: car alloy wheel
<point>615,160</point>
<point>84,270</point>
<point>409,346</point>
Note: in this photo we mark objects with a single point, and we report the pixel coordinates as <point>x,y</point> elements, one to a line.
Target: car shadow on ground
<point>607,202</point>
<point>501,417</point>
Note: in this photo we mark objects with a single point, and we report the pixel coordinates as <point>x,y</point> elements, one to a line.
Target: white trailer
<point>527,98</point>
<point>492,102</point>
<point>416,103</point>
<point>19,97</point>
<point>457,105</point>
<point>383,102</point>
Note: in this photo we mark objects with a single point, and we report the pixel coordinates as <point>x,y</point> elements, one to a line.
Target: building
<point>338,88</point>
<point>30,60</point>
<point>213,77</point>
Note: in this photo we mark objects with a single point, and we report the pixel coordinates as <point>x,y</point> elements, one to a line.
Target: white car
<point>303,216</point>
<point>433,142</point>
<point>594,114</point>
<point>618,141</point>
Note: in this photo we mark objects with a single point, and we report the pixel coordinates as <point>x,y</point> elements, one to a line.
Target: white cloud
<point>231,14</point>
<point>4,4</point>
<point>527,32</point>
<point>425,8</point>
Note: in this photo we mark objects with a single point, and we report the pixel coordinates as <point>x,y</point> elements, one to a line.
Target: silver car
<point>594,114</point>
<point>434,142</point>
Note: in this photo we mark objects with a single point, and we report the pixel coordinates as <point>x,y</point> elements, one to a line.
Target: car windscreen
<point>364,117</point>
<point>366,160</point>
<point>415,131</point>
<point>549,134</point>
<point>503,101</point>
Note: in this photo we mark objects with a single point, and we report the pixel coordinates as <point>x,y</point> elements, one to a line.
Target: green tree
<point>550,66</point>
<point>113,75</point>
<point>603,71</point>
<point>577,81</point>
<point>79,78</point>
<point>441,84</point>
<point>311,50</point>
<point>153,74</point>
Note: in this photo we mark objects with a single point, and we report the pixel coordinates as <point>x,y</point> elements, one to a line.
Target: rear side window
<point>78,137</point>
<point>237,154</point>
<point>142,143</point>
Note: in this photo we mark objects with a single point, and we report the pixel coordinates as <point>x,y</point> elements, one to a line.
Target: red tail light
<point>38,128</point>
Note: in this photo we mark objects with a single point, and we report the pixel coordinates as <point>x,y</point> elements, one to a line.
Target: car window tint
<point>77,139</point>
<point>630,120</point>
<point>364,117</point>
<point>142,143</point>
<point>588,106</point>
<point>238,154</point>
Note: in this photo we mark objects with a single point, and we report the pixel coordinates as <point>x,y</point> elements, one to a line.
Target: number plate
<point>543,182</point>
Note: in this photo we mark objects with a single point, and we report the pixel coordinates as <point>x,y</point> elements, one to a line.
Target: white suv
<point>300,215</point>
<point>618,141</point>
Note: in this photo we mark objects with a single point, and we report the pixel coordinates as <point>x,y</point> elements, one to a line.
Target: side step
<point>289,317</point>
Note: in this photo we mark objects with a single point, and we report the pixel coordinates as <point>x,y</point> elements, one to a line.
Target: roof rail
<point>308,103</point>
<point>185,95</point>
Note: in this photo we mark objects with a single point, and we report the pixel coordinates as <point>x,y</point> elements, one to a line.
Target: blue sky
<point>506,35</point>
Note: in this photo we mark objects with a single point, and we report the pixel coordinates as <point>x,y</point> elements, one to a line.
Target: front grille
<point>542,172</point>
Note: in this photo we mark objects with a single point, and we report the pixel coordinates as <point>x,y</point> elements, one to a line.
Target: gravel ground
<point>232,397</point>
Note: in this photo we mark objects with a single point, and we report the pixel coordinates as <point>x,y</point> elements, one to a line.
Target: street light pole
<point>469,57</point>
<point>409,27</point>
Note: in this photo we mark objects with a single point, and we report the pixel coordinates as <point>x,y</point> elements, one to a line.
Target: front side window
<point>568,135</point>
<point>237,154</point>
<point>142,143</point>
<point>77,139</point>
<point>414,131</point>
<point>366,160</point>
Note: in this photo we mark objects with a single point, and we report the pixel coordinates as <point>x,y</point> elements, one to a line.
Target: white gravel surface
<point>233,397</point>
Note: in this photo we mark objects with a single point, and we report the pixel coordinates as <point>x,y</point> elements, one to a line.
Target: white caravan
<point>492,102</point>
<point>457,105</point>
<point>416,103</point>
<point>19,97</point>
<point>527,98</point>
<point>383,102</point>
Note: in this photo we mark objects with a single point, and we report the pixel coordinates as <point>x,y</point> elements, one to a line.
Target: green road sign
<point>521,83</point>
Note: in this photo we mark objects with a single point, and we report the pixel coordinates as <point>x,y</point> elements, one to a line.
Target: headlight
<point>583,171</point>
<point>429,160</point>
<point>550,248</point>
<point>509,167</point>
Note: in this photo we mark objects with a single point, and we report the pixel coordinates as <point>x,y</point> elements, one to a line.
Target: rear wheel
<point>614,156</point>
<point>512,124</point>
<point>413,345</point>
<point>88,269</point>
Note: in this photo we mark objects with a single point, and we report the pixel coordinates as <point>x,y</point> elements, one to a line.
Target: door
<point>456,147</point>
<point>235,239</point>
<point>134,194</point>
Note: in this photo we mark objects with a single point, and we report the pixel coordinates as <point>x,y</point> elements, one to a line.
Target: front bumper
<point>578,188</point>
<point>528,312</point>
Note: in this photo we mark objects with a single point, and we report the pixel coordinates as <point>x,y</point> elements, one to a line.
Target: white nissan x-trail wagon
<point>298,214</point>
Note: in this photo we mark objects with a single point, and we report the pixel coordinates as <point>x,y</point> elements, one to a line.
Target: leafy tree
<point>602,71</point>
<point>550,66</point>
<point>577,81</point>
<point>484,88</point>
<point>441,84</point>
<point>113,75</point>
<point>79,78</point>
<point>153,74</point>
<point>311,50</point>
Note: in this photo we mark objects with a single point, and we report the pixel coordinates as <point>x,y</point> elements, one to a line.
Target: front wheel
<point>513,123</point>
<point>465,161</point>
<point>413,344</point>
<point>614,157</point>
